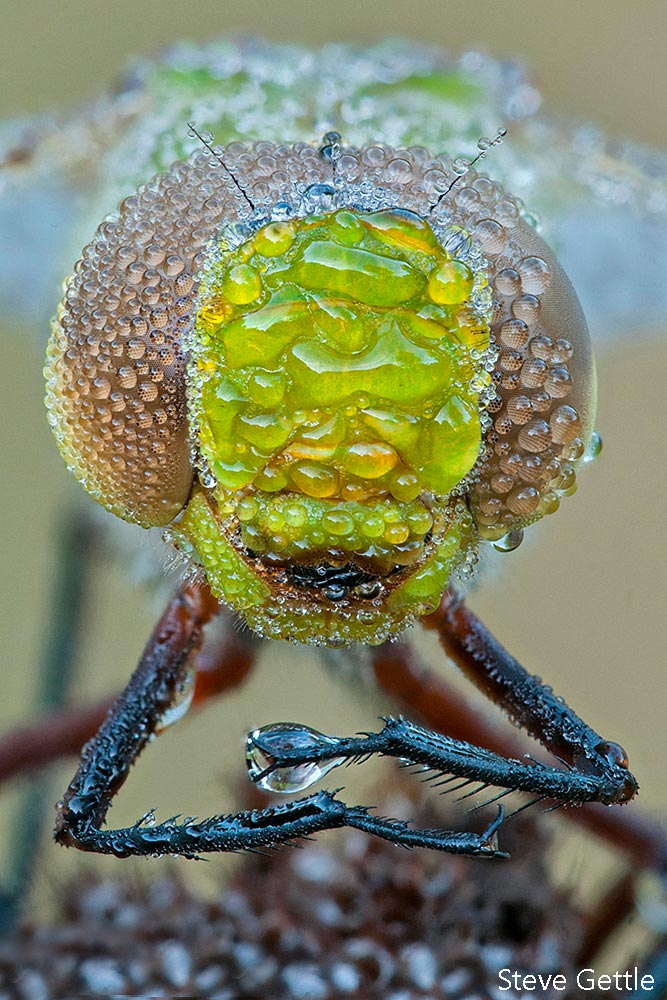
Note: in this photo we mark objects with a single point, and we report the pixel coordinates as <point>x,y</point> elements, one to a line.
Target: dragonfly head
<point>329,395</point>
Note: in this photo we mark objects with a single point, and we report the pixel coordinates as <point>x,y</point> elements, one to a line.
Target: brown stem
<point>57,734</point>
<point>221,666</point>
<point>609,913</point>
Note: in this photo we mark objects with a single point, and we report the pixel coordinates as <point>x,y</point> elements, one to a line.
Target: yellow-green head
<point>333,387</point>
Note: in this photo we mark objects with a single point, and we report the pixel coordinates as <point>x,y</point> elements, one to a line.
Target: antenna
<point>205,142</point>
<point>484,146</point>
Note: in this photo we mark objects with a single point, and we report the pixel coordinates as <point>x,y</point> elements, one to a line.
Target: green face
<point>333,387</point>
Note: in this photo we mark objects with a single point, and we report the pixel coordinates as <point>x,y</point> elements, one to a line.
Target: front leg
<point>532,704</point>
<point>129,726</point>
<point>595,770</point>
<point>282,754</point>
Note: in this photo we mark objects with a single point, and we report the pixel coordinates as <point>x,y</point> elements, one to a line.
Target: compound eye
<point>541,418</point>
<point>115,364</point>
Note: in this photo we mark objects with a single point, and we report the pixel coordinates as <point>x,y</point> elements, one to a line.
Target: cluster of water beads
<point>538,436</point>
<point>265,745</point>
<point>406,93</point>
<point>136,283</point>
<point>297,383</point>
<point>288,527</point>
<point>461,166</point>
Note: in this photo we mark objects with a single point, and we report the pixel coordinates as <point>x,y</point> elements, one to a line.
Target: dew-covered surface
<point>394,91</point>
<point>579,605</point>
<point>129,410</point>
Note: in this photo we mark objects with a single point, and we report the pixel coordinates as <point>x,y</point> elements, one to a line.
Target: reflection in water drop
<point>457,241</point>
<point>509,542</point>
<point>264,745</point>
<point>181,703</point>
<point>594,447</point>
<point>207,479</point>
<point>613,753</point>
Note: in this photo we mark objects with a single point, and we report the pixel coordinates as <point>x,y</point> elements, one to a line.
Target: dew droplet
<point>282,210</point>
<point>457,241</point>
<point>613,753</point>
<point>265,745</point>
<point>594,448</point>
<point>181,703</point>
<point>509,542</point>
<point>207,479</point>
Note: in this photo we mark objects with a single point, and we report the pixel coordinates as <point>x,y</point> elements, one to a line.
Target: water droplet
<point>331,146</point>
<point>594,447</point>
<point>265,745</point>
<point>207,479</point>
<point>509,542</point>
<point>613,753</point>
<point>181,703</point>
<point>457,241</point>
<point>319,197</point>
<point>282,210</point>
<point>147,820</point>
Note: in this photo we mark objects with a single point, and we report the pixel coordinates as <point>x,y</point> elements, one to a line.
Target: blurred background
<point>581,604</point>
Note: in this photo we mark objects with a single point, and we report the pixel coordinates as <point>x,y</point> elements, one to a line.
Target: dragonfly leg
<point>528,702</point>
<point>130,724</point>
<point>593,769</point>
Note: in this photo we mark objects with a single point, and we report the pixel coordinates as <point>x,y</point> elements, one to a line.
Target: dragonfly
<point>250,121</point>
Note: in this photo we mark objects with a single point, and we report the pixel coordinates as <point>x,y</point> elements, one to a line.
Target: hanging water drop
<point>594,448</point>
<point>509,542</point>
<point>181,703</point>
<point>270,743</point>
